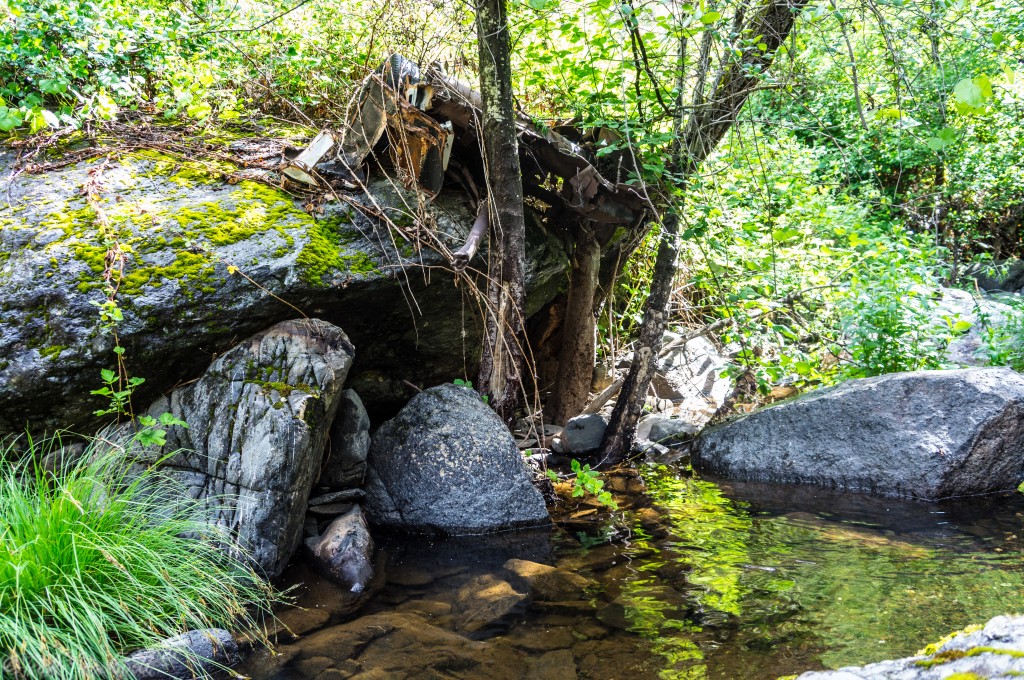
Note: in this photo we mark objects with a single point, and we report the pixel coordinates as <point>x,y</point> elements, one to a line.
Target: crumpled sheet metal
<point>406,104</point>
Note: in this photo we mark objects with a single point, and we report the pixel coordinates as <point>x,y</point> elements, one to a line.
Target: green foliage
<point>889,326</point>
<point>1003,341</point>
<point>63,63</point>
<point>96,562</point>
<point>469,384</point>
<point>587,481</point>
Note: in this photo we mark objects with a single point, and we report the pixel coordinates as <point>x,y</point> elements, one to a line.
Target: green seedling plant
<point>587,481</point>
<point>469,384</point>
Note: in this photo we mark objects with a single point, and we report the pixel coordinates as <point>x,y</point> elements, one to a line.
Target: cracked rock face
<point>924,434</point>
<point>258,423</point>
<point>447,465</point>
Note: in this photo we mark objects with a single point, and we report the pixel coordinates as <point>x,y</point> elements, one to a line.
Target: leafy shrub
<point>890,326</point>
<point>587,481</point>
<point>1003,343</point>
<point>95,563</point>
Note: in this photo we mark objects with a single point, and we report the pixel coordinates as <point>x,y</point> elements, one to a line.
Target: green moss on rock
<point>284,389</point>
<point>324,253</point>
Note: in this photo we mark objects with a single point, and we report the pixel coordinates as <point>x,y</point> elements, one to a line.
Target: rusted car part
<point>300,167</point>
<point>424,123</point>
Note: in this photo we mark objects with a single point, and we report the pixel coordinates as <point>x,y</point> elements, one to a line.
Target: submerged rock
<point>996,651</point>
<point>183,295</point>
<point>389,645</point>
<point>258,421</point>
<point>484,601</point>
<point>925,434</point>
<point>446,464</point>
<point>344,552</point>
<point>549,583</point>
<point>195,654</point>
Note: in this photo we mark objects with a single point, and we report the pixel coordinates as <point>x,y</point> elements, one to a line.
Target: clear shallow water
<point>691,580</point>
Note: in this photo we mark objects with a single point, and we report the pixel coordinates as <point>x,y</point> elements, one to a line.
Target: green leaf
<point>969,94</point>
<point>962,326</point>
<point>53,85</point>
<point>9,118</point>
<point>710,17</point>
<point>107,375</point>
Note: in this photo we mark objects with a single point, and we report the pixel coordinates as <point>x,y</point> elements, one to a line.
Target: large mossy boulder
<point>446,464</point>
<point>925,434</point>
<point>208,261</point>
<point>258,421</point>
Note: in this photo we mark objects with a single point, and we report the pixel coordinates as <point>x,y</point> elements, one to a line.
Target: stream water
<point>691,579</point>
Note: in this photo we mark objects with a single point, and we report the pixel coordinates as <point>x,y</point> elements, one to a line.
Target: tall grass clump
<point>96,563</point>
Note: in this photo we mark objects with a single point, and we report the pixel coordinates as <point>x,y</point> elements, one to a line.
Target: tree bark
<point>712,117</point>
<point>630,403</point>
<point>503,356</point>
<point>579,345</point>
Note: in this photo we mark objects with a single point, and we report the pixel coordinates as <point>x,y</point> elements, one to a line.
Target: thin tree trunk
<point>579,344</point>
<point>712,118</point>
<point>628,407</point>
<point>502,363</point>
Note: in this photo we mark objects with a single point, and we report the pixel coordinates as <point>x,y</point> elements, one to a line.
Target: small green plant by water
<point>587,481</point>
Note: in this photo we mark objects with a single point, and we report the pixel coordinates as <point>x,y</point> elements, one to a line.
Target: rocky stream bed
<point>689,579</point>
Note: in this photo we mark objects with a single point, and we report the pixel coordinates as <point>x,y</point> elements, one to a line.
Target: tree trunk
<point>729,89</point>
<point>502,363</point>
<point>579,343</point>
<point>630,403</point>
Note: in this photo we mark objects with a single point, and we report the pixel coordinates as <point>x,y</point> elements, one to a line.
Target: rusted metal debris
<point>422,126</point>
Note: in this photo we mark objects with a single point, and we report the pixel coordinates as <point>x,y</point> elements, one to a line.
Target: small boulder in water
<point>344,552</point>
<point>446,464</point>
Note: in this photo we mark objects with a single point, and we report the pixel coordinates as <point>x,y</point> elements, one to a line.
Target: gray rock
<point>258,422</point>
<point>925,434</point>
<point>996,651</point>
<point>195,654</point>
<point>329,509</point>
<point>690,377</point>
<point>657,453</point>
<point>346,495</point>
<point>667,430</point>
<point>446,464</point>
<point>344,552</point>
<point>1006,276</point>
<point>345,466</point>
<point>583,434</point>
<point>182,304</point>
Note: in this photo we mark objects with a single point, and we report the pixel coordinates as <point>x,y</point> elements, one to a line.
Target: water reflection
<point>875,581</point>
<point>694,580</point>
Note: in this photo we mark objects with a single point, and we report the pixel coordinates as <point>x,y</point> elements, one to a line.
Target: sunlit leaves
<point>943,138</point>
<point>971,94</point>
<point>9,118</point>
